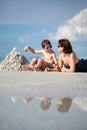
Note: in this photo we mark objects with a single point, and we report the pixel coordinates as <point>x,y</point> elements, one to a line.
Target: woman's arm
<point>55,59</point>
<point>32,50</point>
<point>60,62</point>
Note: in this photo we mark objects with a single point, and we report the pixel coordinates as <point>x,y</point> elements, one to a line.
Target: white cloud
<point>74,29</point>
<point>44,30</point>
<point>81,102</point>
<point>27,36</point>
<point>24,38</point>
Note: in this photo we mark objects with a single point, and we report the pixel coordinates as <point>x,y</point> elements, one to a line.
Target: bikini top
<point>67,66</point>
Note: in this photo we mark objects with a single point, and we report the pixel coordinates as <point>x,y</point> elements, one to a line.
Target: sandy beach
<point>43,83</point>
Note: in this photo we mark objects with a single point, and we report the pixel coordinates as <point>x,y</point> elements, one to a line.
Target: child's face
<point>48,48</point>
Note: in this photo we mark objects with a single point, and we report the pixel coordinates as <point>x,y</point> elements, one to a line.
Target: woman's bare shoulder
<point>73,54</point>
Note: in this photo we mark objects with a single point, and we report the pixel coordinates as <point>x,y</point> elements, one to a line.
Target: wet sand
<point>22,106</point>
<point>43,83</point>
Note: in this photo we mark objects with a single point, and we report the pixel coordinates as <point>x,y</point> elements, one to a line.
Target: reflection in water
<point>64,104</point>
<point>27,99</point>
<point>81,102</point>
<point>14,98</point>
<point>45,102</point>
<point>61,113</point>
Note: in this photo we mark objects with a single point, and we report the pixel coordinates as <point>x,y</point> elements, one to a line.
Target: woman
<point>64,104</point>
<point>68,58</point>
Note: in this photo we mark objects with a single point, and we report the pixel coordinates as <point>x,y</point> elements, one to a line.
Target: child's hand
<point>26,48</point>
<point>56,66</point>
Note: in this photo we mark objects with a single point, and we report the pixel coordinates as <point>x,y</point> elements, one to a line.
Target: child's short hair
<point>45,42</point>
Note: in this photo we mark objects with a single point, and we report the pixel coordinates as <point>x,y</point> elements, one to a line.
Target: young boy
<point>50,60</point>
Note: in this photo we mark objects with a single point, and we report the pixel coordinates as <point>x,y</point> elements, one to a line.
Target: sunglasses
<point>48,47</point>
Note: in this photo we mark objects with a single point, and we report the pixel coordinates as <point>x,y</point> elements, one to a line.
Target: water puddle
<point>43,113</point>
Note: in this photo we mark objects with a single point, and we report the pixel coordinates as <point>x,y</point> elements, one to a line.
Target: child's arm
<point>32,50</point>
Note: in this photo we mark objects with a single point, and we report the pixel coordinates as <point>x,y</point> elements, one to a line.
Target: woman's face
<point>60,48</point>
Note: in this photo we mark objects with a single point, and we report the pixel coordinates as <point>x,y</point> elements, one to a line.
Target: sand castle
<point>13,61</point>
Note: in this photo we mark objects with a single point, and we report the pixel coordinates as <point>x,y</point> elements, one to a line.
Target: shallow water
<point>24,107</point>
<point>43,113</point>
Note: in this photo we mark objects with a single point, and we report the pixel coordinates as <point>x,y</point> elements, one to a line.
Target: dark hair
<point>45,42</point>
<point>66,44</point>
<point>64,107</point>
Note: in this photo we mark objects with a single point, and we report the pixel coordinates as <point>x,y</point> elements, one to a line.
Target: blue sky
<point>28,22</point>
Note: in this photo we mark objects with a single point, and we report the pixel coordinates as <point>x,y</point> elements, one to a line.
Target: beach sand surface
<point>43,83</point>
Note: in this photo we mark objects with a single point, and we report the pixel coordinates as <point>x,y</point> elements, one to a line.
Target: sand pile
<point>13,61</point>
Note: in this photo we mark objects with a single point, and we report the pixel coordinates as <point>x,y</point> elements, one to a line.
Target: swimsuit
<point>67,66</point>
<point>48,65</point>
<point>81,66</point>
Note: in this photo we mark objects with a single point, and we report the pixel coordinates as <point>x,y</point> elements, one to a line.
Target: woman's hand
<point>63,70</point>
